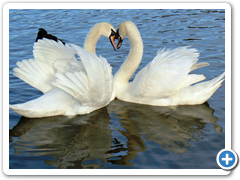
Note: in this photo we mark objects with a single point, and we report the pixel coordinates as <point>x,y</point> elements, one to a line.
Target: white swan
<point>165,80</point>
<point>70,86</point>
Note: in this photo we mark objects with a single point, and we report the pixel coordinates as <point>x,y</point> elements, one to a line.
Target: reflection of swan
<point>165,81</point>
<point>93,140</point>
<point>171,127</point>
<point>70,143</point>
<point>82,86</point>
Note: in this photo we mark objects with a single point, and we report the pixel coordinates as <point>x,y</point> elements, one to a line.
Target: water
<point>121,135</point>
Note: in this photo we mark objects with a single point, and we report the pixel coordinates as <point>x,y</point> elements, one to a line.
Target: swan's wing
<point>56,54</point>
<point>167,73</point>
<point>92,86</point>
<point>50,57</point>
<point>38,74</point>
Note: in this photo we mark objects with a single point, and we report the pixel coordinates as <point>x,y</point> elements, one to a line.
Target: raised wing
<point>92,86</point>
<point>56,54</point>
<point>49,57</point>
<point>38,74</point>
<point>166,73</point>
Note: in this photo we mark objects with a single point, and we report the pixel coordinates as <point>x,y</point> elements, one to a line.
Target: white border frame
<point>8,6</point>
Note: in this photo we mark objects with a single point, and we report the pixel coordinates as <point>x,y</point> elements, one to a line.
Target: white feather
<point>153,81</point>
<point>165,80</point>
<point>36,73</point>
<point>71,87</point>
<point>92,87</point>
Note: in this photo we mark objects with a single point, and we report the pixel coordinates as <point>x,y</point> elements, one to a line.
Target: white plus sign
<point>227,159</point>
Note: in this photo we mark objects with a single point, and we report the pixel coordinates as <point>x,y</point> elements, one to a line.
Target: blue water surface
<point>122,135</point>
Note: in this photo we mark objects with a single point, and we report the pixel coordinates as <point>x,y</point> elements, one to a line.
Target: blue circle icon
<point>227,159</point>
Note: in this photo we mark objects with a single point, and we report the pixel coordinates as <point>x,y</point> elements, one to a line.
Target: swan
<point>70,87</point>
<point>165,81</point>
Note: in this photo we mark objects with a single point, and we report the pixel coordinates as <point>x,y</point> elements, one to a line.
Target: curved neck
<point>134,58</point>
<point>92,39</point>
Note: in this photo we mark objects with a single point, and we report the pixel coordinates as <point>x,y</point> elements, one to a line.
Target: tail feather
<point>215,84</point>
<point>217,80</point>
<point>189,80</point>
<point>211,86</point>
<point>198,93</point>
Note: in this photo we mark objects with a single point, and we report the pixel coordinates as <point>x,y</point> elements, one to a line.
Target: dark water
<point>121,135</point>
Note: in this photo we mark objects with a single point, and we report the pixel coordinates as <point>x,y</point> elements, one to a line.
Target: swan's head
<point>125,28</point>
<point>107,30</point>
<point>121,33</point>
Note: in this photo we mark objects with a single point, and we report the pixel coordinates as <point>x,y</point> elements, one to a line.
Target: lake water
<point>122,135</point>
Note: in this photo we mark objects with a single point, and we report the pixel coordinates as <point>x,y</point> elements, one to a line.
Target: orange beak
<point>120,40</point>
<point>112,40</point>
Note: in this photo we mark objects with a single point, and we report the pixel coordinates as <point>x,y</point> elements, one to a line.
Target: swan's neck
<point>134,58</point>
<point>92,39</point>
